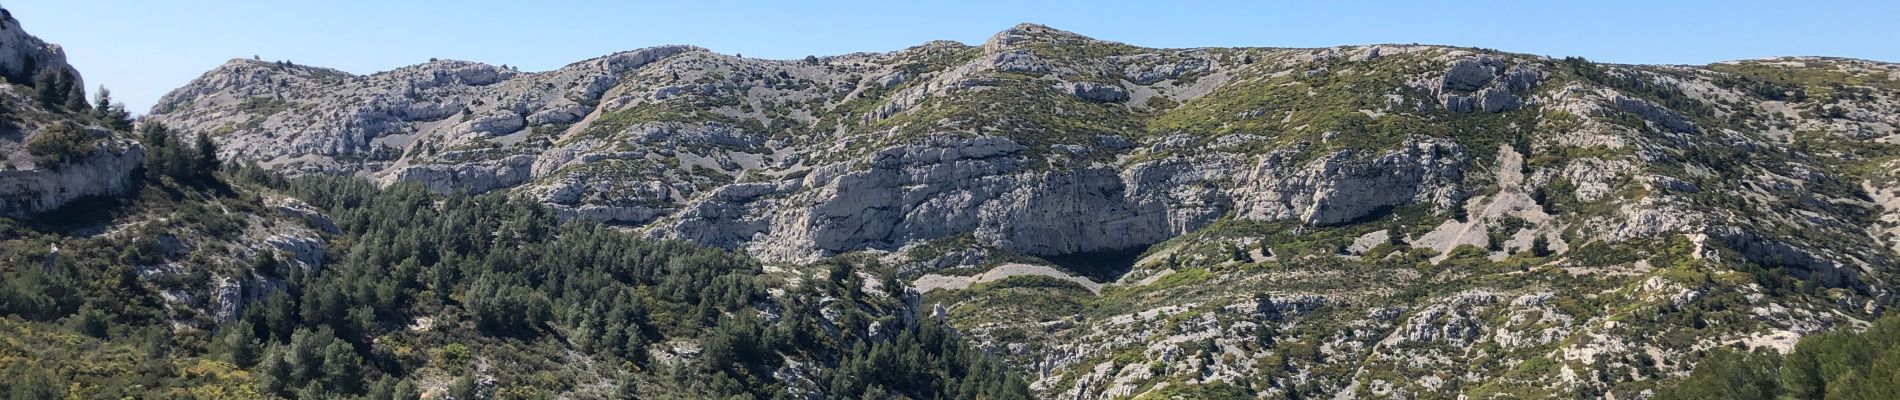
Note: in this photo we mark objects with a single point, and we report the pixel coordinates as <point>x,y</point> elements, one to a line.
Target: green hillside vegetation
<point>494,295</point>
<point>1834,365</point>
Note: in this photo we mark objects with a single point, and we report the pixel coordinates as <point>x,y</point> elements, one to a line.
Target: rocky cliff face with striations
<point>1503,204</point>
<point>108,168</point>
<point>652,135</point>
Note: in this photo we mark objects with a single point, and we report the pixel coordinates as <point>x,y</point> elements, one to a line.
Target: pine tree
<point>240,347</point>
<point>163,155</point>
<point>91,322</point>
<point>113,115</point>
<point>49,87</point>
<point>75,99</point>
<point>1540,246</point>
<point>342,368</point>
<point>207,156</point>
<point>33,383</point>
<point>627,390</point>
<point>102,102</point>
<point>274,374</point>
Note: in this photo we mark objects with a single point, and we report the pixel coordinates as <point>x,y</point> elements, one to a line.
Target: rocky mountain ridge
<point>1355,220</point>
<point>654,135</point>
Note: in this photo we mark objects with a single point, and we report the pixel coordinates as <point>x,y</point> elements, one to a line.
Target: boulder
<point>1096,92</point>
<point>498,123</point>
<point>563,114</point>
<point>1496,100</point>
<point>297,208</point>
<point>1471,73</point>
<point>1019,61</point>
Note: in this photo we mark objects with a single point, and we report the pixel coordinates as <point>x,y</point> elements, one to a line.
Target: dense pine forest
<point>1835,365</point>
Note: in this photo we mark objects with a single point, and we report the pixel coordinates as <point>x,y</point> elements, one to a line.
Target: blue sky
<point>141,49</point>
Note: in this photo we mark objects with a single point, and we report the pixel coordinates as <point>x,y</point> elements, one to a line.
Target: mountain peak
<point>283,65</point>
<point>1031,32</point>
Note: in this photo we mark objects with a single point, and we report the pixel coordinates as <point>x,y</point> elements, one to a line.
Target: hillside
<point>1045,214</point>
<point>195,277</point>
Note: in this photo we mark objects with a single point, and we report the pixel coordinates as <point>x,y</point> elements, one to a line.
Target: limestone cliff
<point>1380,220</point>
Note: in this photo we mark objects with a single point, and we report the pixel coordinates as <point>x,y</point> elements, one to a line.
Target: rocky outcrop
<point>560,115</point>
<point>301,210</point>
<point>107,170</point>
<point>22,56</point>
<point>1495,100</point>
<point>1800,260</point>
<point>477,175</point>
<point>1349,185</point>
<point>349,123</point>
<point>498,123</point>
<point>983,186</point>
<point>1096,92</point>
<point>1488,84</point>
<point>1151,68</point>
<point>938,189</point>
<point>299,249</point>
<point>1659,115</point>
<point>1472,73</point>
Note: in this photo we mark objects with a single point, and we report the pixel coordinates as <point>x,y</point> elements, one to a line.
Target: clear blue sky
<point>141,49</point>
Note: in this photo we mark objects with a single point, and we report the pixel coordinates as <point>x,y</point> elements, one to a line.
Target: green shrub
<point>60,144</point>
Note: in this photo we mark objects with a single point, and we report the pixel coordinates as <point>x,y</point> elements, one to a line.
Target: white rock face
<point>1889,201</point>
<point>1471,73</point>
<point>107,170</point>
<point>22,55</point>
<point>798,160</point>
<point>1487,84</point>
<point>477,175</point>
<point>1654,113</point>
<point>984,187</point>
<point>559,115</point>
<point>494,124</point>
<point>1345,186</point>
<point>302,250</point>
<point>325,120</point>
<point>301,210</point>
<point>1097,92</point>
